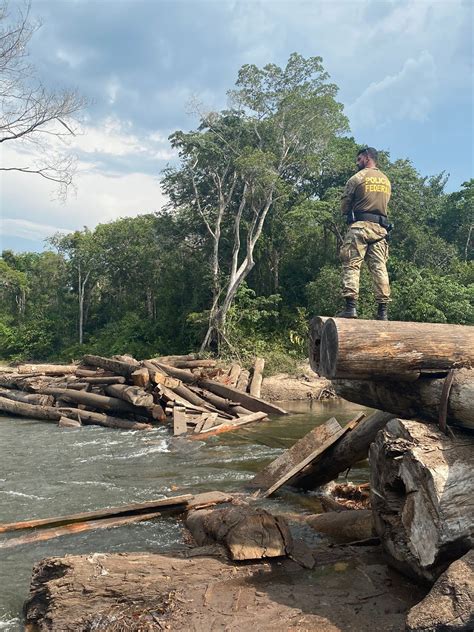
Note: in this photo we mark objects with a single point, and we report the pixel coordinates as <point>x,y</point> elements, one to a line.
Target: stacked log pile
<point>193,395</point>
<point>421,474</point>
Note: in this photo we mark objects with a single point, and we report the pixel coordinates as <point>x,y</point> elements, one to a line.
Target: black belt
<point>361,216</point>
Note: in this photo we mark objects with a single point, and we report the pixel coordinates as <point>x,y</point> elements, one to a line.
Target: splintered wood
<point>196,398</point>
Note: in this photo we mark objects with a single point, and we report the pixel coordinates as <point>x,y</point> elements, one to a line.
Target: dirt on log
<point>422,495</point>
<point>150,592</point>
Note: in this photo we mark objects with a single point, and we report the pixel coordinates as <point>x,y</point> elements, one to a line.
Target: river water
<point>47,471</point>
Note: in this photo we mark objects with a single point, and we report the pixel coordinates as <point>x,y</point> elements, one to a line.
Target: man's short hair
<point>370,151</point>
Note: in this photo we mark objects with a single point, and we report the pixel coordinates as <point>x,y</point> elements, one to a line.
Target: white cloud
<point>407,95</point>
<point>28,230</point>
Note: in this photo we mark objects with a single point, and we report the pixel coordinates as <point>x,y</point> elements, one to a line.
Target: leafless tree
<point>37,120</point>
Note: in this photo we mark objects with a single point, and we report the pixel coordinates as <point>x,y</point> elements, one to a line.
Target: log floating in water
<point>21,409</point>
<point>415,400</point>
<point>422,495</point>
<point>88,417</point>
<point>163,503</point>
<point>392,350</point>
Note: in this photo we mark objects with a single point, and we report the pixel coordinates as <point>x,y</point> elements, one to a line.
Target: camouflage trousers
<point>356,249</point>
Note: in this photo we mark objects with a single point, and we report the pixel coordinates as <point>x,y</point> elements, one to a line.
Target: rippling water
<point>47,471</point>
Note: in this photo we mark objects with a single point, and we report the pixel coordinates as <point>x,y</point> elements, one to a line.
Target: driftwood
<point>415,400</point>
<point>78,527</point>
<point>422,494</point>
<point>364,349</point>
<point>162,503</point>
<point>448,607</point>
<point>228,426</point>
<point>66,422</point>
<point>257,377</point>
<point>247,534</point>
<point>350,449</point>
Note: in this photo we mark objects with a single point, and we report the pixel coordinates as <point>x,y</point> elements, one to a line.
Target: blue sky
<point>404,71</point>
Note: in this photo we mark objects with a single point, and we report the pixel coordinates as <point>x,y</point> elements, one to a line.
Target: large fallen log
<point>132,394</point>
<point>27,398</point>
<point>415,400</point>
<point>367,349</point>
<point>422,494</point>
<point>47,413</point>
<point>350,449</point>
<point>102,402</point>
<point>344,526</point>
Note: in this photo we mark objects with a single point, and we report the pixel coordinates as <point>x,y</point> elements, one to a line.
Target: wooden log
<point>47,369</point>
<point>104,380</point>
<point>243,381</point>
<point>46,413</point>
<point>66,422</point>
<point>415,400</point>
<point>171,502</point>
<point>27,398</point>
<point>140,377</point>
<point>229,426</point>
<point>132,394</point>
<point>350,449</point>
<point>88,417</point>
<point>393,350</point>
<point>194,364</point>
<point>247,533</point>
<point>179,421</point>
<point>128,359</point>
<point>422,494</point>
<point>233,409</point>
<point>322,438</point>
<point>77,527</point>
<point>255,404</point>
<point>314,342</point>
<point>102,402</point>
<point>115,366</point>
<point>448,607</point>
<point>257,377</point>
<point>344,526</point>
<point>170,359</point>
<point>233,375</point>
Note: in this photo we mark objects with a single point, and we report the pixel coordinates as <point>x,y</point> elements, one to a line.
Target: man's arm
<point>348,195</point>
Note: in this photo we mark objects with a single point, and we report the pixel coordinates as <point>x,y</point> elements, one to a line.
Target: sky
<point>403,68</point>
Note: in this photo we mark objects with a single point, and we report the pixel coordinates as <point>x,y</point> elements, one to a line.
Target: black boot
<point>382,312</point>
<point>350,310</point>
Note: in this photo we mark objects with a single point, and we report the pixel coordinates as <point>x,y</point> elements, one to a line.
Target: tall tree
<point>240,163</point>
<point>31,116</point>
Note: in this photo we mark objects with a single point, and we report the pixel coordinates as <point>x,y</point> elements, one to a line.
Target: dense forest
<point>246,250</point>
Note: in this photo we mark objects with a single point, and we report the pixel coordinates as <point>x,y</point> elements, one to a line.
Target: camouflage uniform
<point>367,191</point>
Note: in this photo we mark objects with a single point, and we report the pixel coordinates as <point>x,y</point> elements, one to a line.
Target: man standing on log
<point>364,203</point>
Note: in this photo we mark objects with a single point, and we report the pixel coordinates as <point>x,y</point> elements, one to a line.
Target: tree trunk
<point>256,383</point>
<point>365,349</point>
<point>48,413</point>
<point>47,369</point>
<point>352,448</point>
<point>27,398</point>
<point>132,394</point>
<point>422,494</point>
<point>415,400</point>
<point>95,401</point>
<point>88,417</point>
<point>122,368</point>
